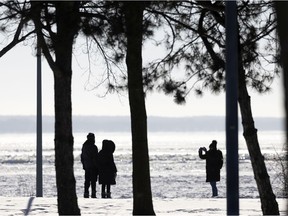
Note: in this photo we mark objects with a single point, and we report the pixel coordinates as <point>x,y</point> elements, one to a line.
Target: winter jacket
<point>89,156</point>
<point>107,167</point>
<point>214,163</point>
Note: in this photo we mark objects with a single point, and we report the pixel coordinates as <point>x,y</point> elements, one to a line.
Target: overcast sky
<point>18,93</point>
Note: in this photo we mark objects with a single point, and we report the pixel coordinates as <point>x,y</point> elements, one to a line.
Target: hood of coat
<point>108,146</point>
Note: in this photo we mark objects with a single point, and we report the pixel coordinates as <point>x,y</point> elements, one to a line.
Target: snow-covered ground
<point>106,207</point>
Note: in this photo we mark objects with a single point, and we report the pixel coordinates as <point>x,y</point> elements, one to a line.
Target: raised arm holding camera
<point>214,163</point>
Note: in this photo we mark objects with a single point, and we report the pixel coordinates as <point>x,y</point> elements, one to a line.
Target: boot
<point>108,195</point>
<point>86,195</point>
<point>104,195</point>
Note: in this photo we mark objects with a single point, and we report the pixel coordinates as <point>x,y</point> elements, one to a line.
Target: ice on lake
<point>176,170</point>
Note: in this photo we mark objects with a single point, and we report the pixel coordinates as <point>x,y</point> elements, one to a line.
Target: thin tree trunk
<point>142,196</point>
<point>269,204</point>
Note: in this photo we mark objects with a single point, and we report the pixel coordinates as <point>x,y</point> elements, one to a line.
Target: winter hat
<point>213,144</point>
<point>90,136</point>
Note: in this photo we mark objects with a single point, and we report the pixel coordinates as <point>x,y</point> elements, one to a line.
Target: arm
<point>201,155</point>
<point>113,165</point>
<point>82,159</point>
<point>220,159</point>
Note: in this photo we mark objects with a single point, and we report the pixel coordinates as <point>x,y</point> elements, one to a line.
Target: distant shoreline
<point>27,124</point>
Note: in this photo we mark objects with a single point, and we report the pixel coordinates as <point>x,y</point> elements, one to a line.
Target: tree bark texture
<point>65,180</point>
<point>281,8</point>
<point>142,195</point>
<point>269,204</point>
<point>67,28</point>
<point>62,42</point>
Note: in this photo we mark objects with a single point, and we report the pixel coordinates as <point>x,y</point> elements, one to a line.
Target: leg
<point>214,188</point>
<point>93,184</point>
<point>87,184</point>
<point>103,193</point>
<point>108,191</point>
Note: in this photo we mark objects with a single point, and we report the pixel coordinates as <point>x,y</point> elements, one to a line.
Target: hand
<point>202,149</point>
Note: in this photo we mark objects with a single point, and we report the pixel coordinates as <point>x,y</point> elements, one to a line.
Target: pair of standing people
<point>98,164</point>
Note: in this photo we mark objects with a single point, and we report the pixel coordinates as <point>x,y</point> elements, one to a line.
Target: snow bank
<point>211,206</point>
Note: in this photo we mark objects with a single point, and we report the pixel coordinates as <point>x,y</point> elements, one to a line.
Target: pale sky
<point>18,94</point>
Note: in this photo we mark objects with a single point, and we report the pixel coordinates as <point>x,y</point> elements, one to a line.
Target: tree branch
<point>36,11</point>
<point>16,38</point>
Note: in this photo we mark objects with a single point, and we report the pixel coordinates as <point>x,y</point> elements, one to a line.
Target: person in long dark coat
<point>107,168</point>
<point>89,158</point>
<point>214,163</point>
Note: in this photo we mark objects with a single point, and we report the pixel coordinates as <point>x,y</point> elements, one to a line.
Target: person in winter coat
<point>214,163</point>
<point>89,158</point>
<point>107,168</point>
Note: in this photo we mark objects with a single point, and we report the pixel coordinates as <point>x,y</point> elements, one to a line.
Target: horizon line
<point>158,116</point>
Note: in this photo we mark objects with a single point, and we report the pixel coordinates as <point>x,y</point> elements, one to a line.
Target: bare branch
<point>16,40</point>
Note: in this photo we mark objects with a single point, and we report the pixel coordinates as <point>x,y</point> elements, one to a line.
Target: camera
<point>202,149</point>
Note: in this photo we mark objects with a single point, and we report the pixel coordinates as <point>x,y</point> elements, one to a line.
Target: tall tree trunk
<point>65,180</point>
<point>67,18</point>
<point>269,204</point>
<point>142,195</point>
<point>67,28</point>
<point>282,28</point>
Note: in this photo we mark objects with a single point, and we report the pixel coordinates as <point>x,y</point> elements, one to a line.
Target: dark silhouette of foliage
<point>196,44</point>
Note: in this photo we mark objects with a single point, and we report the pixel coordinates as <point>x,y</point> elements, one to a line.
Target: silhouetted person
<point>107,168</point>
<point>214,163</point>
<point>89,158</point>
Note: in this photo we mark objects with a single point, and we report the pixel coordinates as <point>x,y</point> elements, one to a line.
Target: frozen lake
<point>176,170</point>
